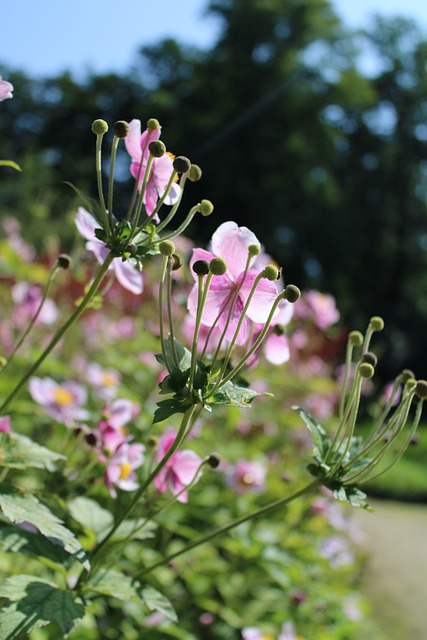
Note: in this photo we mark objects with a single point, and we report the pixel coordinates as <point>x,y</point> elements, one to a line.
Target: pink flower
<point>252,633</point>
<point>63,402</point>
<point>231,243</point>
<point>6,89</point>
<point>106,381</point>
<point>246,476</point>
<point>121,468</point>
<point>5,424</point>
<point>288,632</point>
<point>161,168</point>
<point>28,299</point>
<point>179,471</point>
<point>319,306</point>
<point>126,274</point>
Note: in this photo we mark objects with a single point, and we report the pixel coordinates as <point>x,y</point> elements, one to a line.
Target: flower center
<point>108,380</point>
<point>63,397</point>
<point>125,470</point>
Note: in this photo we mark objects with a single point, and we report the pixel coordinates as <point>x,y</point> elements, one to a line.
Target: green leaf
<point>113,583</point>
<point>90,515</point>
<point>139,529</point>
<point>167,408</point>
<point>14,539</point>
<point>91,205</point>
<point>320,438</point>
<point>156,601</point>
<point>182,353</point>
<point>10,163</point>
<point>234,396</point>
<point>175,382</point>
<point>19,506</point>
<point>349,493</point>
<point>20,452</point>
<point>35,603</point>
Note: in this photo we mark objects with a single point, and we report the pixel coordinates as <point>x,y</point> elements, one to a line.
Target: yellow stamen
<point>172,157</point>
<point>108,379</point>
<point>125,470</point>
<point>62,396</point>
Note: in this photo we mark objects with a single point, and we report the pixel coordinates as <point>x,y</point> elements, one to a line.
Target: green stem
<point>169,310</point>
<point>111,180</point>
<point>99,182</point>
<point>174,209</point>
<point>201,301</point>
<point>159,203</point>
<point>184,225</point>
<point>61,332</point>
<point>263,511</point>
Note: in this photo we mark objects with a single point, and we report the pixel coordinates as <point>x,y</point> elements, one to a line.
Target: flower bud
<point>206,207</point>
<point>355,338</point>
<point>194,173</point>
<point>121,128</point>
<point>176,262</point>
<point>3,362</point>
<point>376,323</point>
<point>421,389</point>
<point>218,266</point>
<point>201,267</point>
<point>406,375</point>
<point>214,461</point>
<point>292,293</point>
<point>366,370</point>
<point>271,272</point>
<point>152,442</point>
<point>64,261</point>
<point>166,248</point>
<point>157,148</point>
<point>181,164</point>
<point>99,127</point>
<point>153,124</point>
<point>370,358</point>
<point>411,383</point>
<point>91,439</point>
<point>254,250</point>
<point>132,249</point>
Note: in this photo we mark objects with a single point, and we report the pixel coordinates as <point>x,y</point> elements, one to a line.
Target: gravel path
<point>396,574</point>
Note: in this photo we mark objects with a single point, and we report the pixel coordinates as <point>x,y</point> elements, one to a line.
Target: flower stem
<point>105,222</point>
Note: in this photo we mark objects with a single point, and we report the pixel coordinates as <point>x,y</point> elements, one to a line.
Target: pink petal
<point>186,466</point>
<point>234,320</point>
<point>133,141</point>
<point>200,254</point>
<point>276,349</point>
<point>215,303</point>
<point>86,224</point>
<point>129,277</point>
<point>263,298</point>
<point>231,243</point>
<point>6,89</point>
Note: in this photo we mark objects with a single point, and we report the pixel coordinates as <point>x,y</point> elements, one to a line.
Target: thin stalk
<point>135,189</point>
<point>135,216</point>
<point>201,301</point>
<point>61,332</point>
<point>348,361</point>
<point>263,511</point>
<point>350,430</point>
<point>99,182</point>
<point>184,225</point>
<point>347,409</point>
<point>159,202</point>
<point>161,331</point>
<point>111,180</point>
<point>169,309</point>
<point>174,209</point>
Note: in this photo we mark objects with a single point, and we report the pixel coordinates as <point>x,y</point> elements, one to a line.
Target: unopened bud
<point>99,127</point>
<point>214,460</point>
<point>132,249</point>
<point>292,293</point>
<point>63,261</point>
<point>153,124</point>
<point>121,128</point>
<point>181,164</point>
<point>152,442</point>
<point>206,207</point>
<point>157,148</point>
<point>91,439</point>
<point>218,266</point>
<point>406,375</point>
<point>3,362</point>
<point>271,272</point>
<point>366,370</point>
<point>201,267</point>
<point>377,323</point>
<point>176,262</point>
<point>370,358</point>
<point>254,250</point>
<point>166,248</point>
<point>194,173</point>
<point>355,338</point>
<point>410,383</point>
<point>421,389</point>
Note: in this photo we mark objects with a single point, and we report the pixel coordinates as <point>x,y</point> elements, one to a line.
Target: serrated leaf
<point>168,408</point>
<point>10,163</point>
<point>156,601</point>
<point>320,438</point>
<point>20,452</point>
<point>90,515</point>
<point>175,382</point>
<point>14,539</point>
<point>234,396</point>
<point>351,494</point>
<point>35,603</point>
<point>113,583</point>
<point>182,353</point>
<point>19,506</point>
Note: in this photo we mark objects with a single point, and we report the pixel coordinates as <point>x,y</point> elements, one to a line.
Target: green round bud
<point>254,250</point>
<point>278,330</point>
<point>406,375</point>
<point>355,338</point>
<point>176,262</point>
<point>153,124</point>
<point>64,261</point>
<point>99,127</point>
<point>181,164</point>
<point>366,370</point>
<point>271,272</point>
<point>157,148</point>
<point>214,461</point>
<point>3,362</point>
<point>411,383</point>
<point>218,266</point>
<point>370,358</point>
<point>292,293</point>
<point>153,441</point>
<point>194,173</point>
<point>421,389</point>
<point>167,248</point>
<point>121,128</point>
<point>377,323</point>
<point>206,207</point>
<point>201,267</point>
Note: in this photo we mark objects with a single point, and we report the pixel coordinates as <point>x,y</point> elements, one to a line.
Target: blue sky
<point>44,37</point>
